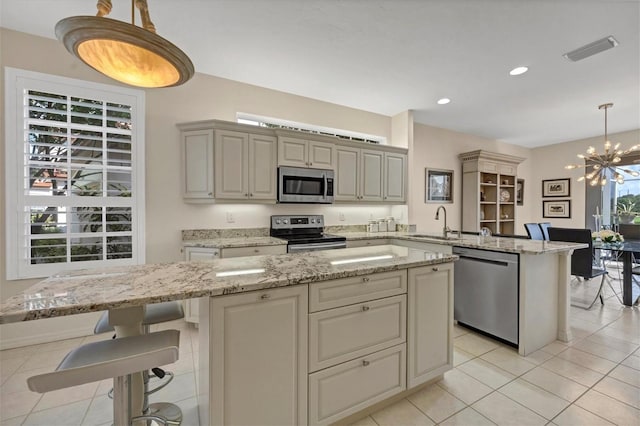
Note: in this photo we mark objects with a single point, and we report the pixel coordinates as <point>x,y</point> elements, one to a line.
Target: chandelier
<point>127,53</point>
<point>600,164</point>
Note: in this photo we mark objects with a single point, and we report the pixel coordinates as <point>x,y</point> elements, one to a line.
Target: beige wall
<point>438,148</point>
<point>549,163</point>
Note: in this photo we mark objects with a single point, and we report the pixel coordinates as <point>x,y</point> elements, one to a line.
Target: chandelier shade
<point>125,52</point>
<point>598,165</point>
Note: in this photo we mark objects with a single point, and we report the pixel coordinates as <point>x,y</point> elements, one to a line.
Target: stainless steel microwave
<point>298,185</point>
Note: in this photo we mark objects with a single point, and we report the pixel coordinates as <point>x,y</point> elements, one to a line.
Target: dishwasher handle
<point>489,261</point>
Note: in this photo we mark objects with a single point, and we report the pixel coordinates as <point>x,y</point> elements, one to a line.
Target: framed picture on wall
<point>556,188</point>
<point>519,191</point>
<point>439,186</point>
<point>556,208</point>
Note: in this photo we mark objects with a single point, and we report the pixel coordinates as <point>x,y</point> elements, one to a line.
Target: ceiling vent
<point>591,49</point>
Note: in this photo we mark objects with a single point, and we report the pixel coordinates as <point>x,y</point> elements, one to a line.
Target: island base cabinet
<point>347,388</point>
<point>257,358</point>
<point>429,323</point>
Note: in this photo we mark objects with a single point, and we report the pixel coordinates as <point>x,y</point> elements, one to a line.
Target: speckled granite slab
<point>99,289</point>
<point>508,245</point>
<point>235,242</point>
<point>208,234</point>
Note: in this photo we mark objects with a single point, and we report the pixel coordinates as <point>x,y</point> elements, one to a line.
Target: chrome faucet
<point>445,229</point>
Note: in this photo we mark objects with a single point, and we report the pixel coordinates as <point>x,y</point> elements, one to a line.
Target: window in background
<point>74,174</point>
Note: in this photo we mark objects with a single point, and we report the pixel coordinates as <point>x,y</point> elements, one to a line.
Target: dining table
<point>625,250</point>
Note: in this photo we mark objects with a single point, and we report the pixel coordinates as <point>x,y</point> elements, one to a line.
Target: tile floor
<point>592,380</point>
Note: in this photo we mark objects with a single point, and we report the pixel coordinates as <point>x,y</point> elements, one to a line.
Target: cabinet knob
<point>365,308</point>
<point>256,250</point>
<point>210,194</point>
<point>246,195</point>
<point>250,195</point>
<point>365,362</point>
<point>265,296</point>
<point>310,163</point>
<point>435,268</point>
<point>365,279</point>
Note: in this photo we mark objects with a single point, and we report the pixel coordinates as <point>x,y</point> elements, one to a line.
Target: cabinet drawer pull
<point>310,163</point>
<point>365,308</point>
<point>265,296</point>
<point>435,268</point>
<point>365,362</point>
<point>210,194</point>
<point>250,195</point>
<point>365,279</point>
<point>256,251</point>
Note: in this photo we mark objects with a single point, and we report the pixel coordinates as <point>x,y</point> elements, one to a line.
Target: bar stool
<point>155,313</point>
<point>117,359</point>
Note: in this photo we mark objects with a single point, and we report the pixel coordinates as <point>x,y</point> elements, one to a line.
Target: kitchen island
<point>285,339</point>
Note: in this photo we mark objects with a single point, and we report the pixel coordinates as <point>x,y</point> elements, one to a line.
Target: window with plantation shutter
<point>75,174</point>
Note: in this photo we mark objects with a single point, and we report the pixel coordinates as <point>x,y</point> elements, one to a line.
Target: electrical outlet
<point>341,216</point>
<point>230,218</point>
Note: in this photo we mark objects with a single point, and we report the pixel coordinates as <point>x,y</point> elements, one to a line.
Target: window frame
<point>16,82</point>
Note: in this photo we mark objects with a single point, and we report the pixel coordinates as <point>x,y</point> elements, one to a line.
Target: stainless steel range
<point>305,233</point>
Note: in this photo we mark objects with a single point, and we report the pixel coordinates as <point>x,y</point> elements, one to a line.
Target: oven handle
<point>324,176</point>
<point>315,246</point>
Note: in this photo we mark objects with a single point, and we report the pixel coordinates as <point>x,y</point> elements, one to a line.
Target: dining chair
<point>582,259</point>
<point>534,231</point>
<point>544,227</point>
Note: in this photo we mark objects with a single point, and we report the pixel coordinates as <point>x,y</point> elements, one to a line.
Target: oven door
<point>298,185</point>
<point>298,248</point>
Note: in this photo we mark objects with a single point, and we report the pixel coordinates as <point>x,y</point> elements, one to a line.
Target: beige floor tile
<point>474,344</point>
<point>555,348</point>
<point>100,411</point>
<point>10,366</point>
<point>182,387</point>
<point>16,421</point>
<point>573,371</point>
<point>459,331</point>
<point>555,383</point>
<point>626,374</point>
<point>366,421</point>
<point>59,345</point>
<point>467,417</point>
<point>608,408</point>
<point>402,413</point>
<point>463,386</point>
<point>574,416</point>
<point>460,356</point>
<point>621,334</point>
<point>538,357</point>
<point>14,353</point>
<point>104,386</point>
<point>436,403</point>
<point>588,360</point>
<point>601,350</point>
<point>189,409</point>
<point>182,365</point>
<point>17,404</point>
<point>66,396</point>
<point>17,382</point>
<point>509,360</point>
<point>487,373</point>
<point>65,415</point>
<point>624,346</point>
<point>619,390</point>
<point>44,359</point>
<point>632,361</point>
<point>506,412</point>
<point>534,398</point>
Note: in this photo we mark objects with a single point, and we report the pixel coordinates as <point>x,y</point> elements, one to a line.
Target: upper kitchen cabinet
<point>370,175</point>
<point>227,161</point>
<point>489,191</point>
<point>296,152</point>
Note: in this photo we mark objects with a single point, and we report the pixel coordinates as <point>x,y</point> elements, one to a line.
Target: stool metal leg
<point>122,400</point>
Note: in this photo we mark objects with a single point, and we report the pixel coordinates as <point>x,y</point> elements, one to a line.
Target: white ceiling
<point>389,56</point>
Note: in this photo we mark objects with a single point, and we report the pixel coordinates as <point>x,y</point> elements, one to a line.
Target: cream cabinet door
<point>263,163</point>
<point>371,168</point>
<point>293,152</point>
<point>258,371</point>
<point>347,176</point>
<point>429,323</point>
<point>196,253</point>
<point>231,165</point>
<point>253,251</point>
<point>197,162</point>
<point>395,177</point>
<point>322,155</point>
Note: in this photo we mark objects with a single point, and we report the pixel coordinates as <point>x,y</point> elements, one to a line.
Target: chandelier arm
<point>104,7</point>
<point>144,15</point>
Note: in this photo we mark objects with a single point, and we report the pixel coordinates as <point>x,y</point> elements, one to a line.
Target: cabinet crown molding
<point>491,156</point>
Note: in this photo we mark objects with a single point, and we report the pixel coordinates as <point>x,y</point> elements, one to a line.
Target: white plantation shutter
<point>75,188</point>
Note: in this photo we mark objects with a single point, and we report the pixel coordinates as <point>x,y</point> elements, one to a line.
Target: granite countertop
<point>99,289</point>
<point>235,242</point>
<point>503,244</point>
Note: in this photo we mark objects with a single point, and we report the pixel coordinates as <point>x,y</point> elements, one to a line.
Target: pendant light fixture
<point>125,52</point>
<point>601,163</point>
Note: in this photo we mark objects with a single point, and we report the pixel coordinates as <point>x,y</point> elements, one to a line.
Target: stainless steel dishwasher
<point>486,292</point>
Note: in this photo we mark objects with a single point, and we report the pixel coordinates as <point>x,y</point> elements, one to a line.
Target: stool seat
<point>155,313</point>
<point>108,359</point>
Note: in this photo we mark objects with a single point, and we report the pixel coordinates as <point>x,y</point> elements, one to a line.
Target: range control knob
<point>277,221</point>
<point>285,221</point>
<point>313,221</point>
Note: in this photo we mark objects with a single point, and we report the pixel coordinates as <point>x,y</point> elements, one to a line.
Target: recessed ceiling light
<point>443,101</point>
<point>518,70</point>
